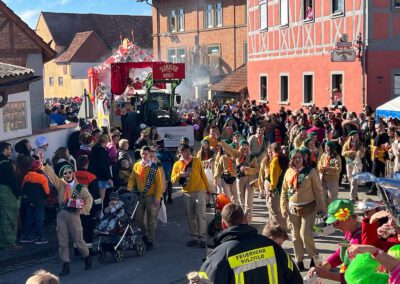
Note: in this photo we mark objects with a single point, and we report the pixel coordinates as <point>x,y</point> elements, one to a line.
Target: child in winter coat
<point>114,211</point>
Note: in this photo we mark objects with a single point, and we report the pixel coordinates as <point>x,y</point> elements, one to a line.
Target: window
<point>60,81</point>
<point>176,55</point>
<point>218,15</point>
<point>213,50</point>
<point>308,89</point>
<point>177,20</point>
<point>284,10</point>
<point>396,84</point>
<point>213,15</point>
<point>337,88</point>
<point>308,10</point>
<point>14,116</point>
<point>263,88</point>
<point>51,81</point>
<point>245,52</point>
<point>397,3</point>
<point>337,6</point>
<point>284,88</point>
<point>263,16</point>
<point>209,16</point>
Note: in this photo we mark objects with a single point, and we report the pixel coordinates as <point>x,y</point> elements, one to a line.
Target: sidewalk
<point>30,253</point>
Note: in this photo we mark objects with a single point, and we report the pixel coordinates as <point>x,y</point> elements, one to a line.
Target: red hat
<point>36,165</point>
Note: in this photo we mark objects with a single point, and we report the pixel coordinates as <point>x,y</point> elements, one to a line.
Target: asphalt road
<point>170,260</point>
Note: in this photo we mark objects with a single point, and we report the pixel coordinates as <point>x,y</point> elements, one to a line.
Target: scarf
<point>67,191</point>
<point>294,182</point>
<point>327,160</point>
<point>185,164</point>
<point>259,140</point>
<point>230,165</point>
<point>143,165</point>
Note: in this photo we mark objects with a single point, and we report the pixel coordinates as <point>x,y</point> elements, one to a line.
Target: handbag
<point>228,178</point>
<point>162,213</point>
<point>304,210</point>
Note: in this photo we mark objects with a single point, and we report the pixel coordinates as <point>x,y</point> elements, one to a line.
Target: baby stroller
<point>126,236</point>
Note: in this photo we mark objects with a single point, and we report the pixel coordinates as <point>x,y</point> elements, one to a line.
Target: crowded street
<point>200,142</point>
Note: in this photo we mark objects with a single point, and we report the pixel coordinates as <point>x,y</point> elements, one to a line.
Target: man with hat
<point>42,144</point>
<point>300,138</point>
<point>341,216</point>
<point>246,171</point>
<point>147,181</point>
<point>189,172</point>
<point>237,136</point>
<point>73,199</point>
<point>353,151</point>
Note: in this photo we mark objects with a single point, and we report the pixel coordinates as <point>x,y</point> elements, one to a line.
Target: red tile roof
<point>76,44</point>
<point>234,82</point>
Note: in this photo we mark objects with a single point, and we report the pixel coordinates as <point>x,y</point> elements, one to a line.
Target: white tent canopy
<point>391,109</point>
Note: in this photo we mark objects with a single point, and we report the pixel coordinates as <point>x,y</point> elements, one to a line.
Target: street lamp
<point>158,26</point>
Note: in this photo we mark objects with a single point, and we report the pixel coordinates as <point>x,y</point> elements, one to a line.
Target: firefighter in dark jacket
<point>246,257</point>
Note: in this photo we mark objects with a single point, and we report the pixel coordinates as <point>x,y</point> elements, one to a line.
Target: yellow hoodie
<point>197,180</point>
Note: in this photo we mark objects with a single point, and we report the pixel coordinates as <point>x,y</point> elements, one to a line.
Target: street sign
<point>344,44</point>
<point>343,55</point>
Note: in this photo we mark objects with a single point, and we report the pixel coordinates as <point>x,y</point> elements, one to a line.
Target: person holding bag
<point>300,199</point>
<point>225,176</point>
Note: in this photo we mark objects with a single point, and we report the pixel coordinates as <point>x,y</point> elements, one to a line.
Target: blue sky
<point>29,10</point>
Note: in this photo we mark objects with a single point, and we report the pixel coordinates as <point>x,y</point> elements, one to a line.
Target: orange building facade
<point>290,44</point>
<point>209,36</point>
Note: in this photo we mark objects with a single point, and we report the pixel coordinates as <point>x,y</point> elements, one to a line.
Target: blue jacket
<point>167,161</point>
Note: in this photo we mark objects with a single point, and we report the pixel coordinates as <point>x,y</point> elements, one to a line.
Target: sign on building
<point>343,55</point>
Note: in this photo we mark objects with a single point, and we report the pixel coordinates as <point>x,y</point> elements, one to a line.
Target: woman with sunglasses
<point>300,200</point>
<point>73,199</point>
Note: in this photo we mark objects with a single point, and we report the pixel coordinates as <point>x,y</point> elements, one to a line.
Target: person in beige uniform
<point>246,170</point>
<point>329,166</point>
<point>73,199</point>
<point>300,199</point>
<point>225,176</point>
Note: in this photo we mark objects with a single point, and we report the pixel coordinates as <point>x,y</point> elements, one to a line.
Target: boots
<point>88,262</point>
<point>65,269</point>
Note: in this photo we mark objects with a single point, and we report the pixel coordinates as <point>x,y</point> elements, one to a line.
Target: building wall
<point>303,47</point>
<point>18,97</point>
<point>233,18</point>
<point>36,97</point>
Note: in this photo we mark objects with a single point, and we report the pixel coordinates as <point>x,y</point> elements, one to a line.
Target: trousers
<point>330,190</point>
<point>274,207</point>
<point>147,208</point>
<point>246,195</point>
<point>230,190</point>
<point>352,182</point>
<point>34,215</point>
<point>301,229</point>
<point>194,204</point>
<point>69,224</point>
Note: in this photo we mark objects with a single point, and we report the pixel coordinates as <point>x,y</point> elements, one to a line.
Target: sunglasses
<point>67,173</point>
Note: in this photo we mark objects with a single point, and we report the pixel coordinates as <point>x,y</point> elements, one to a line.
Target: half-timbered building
<point>292,43</point>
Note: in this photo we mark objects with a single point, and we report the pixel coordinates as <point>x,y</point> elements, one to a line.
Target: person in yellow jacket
<point>300,137</point>
<point>274,184</point>
<point>329,167</point>
<point>146,179</point>
<point>189,172</point>
<point>247,168</point>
